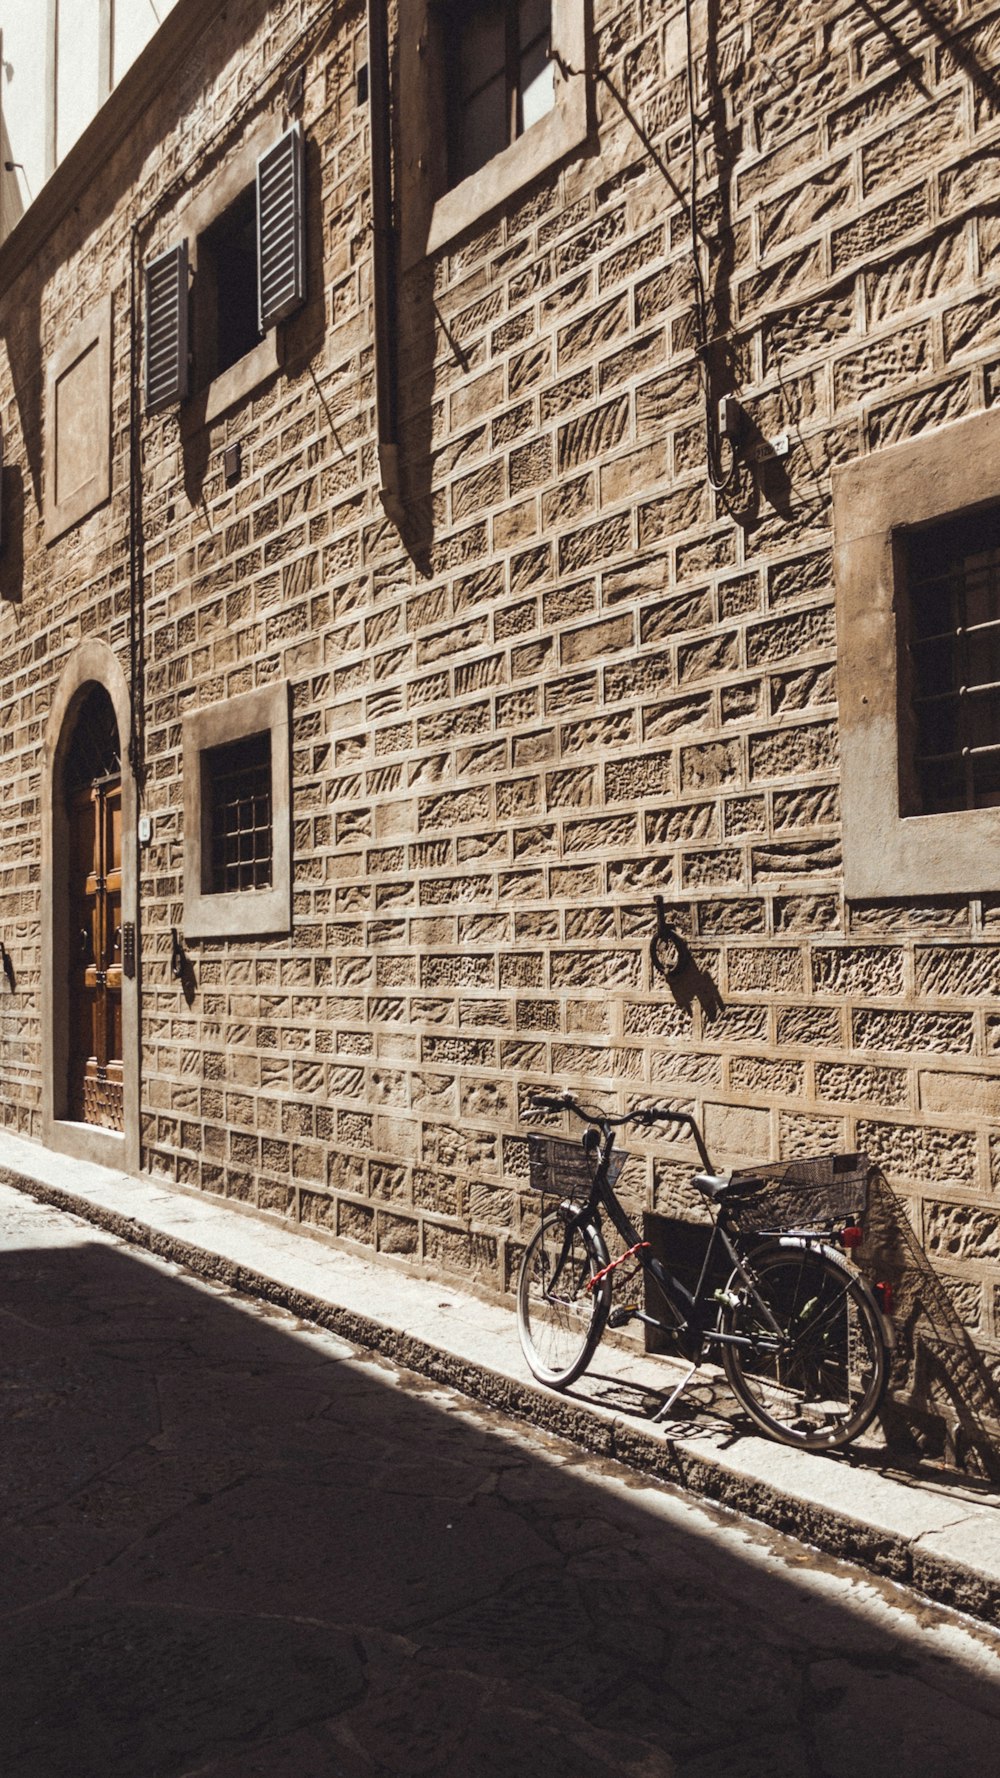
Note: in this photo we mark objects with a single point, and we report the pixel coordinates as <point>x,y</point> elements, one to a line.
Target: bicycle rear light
<point>851,1237</point>
<point>884,1297</point>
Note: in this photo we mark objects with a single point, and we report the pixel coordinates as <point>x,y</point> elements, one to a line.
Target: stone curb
<point>893,1557</point>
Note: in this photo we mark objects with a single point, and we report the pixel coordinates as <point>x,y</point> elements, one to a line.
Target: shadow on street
<point>231,1548</point>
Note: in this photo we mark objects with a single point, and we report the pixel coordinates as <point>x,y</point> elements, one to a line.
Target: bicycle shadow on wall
<point>943,1404</point>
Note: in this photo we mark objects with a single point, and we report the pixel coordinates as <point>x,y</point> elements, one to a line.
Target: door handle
<point>86,950</point>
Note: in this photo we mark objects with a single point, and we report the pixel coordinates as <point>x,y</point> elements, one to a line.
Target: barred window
<point>237,780</point>
<point>950,670</point>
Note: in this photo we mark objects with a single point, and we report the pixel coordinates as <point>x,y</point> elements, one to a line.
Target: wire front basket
<point>564,1169</point>
<point>813,1194</point>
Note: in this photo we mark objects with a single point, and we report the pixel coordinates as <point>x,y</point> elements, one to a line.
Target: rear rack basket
<point>814,1194</point>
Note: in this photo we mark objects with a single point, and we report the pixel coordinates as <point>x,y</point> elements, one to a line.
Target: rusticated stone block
<point>606,833</point>
<point>879,229</point>
<point>671,617</point>
<point>744,815</point>
<point>681,823</point>
<point>736,1133</point>
<point>888,160</point>
<point>626,780</point>
<point>942,1033</point>
<point>458,1146</point>
<point>597,327</point>
<point>708,658</point>
<point>810,1026</point>
<point>680,510</point>
<point>765,1076</point>
<point>806,913</point>
<point>710,764</point>
<point>801,578</point>
<point>920,1153</point>
<point>928,408</point>
<point>818,806</point>
<point>764,969</point>
<point>783,753</point>
<point>780,283</point>
<point>598,732</point>
<point>676,717</point>
<point>801,1134</point>
<point>811,327</point>
<point>594,544</point>
<point>789,637</point>
<point>959,972</point>
<point>692,1068</point>
<point>596,969</point>
<point>957,1095</point>
<point>593,433</point>
<point>806,689</point>
<point>916,276</point>
<point>718,867</point>
<point>595,641</point>
<point>638,678</point>
<point>826,193</point>
<point>976,180</point>
<point>899,356</point>
<point>866,970</point>
<point>860,1083</point>
<point>575,788</point>
<point>961,1232</point>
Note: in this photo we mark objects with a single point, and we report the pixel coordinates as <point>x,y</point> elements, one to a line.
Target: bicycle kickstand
<point>675,1394</point>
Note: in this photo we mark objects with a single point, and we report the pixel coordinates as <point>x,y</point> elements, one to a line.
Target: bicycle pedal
<point>619,1317</point>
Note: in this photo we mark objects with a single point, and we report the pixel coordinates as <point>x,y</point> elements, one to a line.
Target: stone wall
<point>583,678</point>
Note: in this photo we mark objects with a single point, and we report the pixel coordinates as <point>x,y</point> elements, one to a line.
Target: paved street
<point>235,1548</point>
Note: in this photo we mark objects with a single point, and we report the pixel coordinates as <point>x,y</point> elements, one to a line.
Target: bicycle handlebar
<point>641,1115</point>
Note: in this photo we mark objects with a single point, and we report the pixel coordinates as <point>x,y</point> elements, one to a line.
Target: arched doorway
<point>91,944</point>
<point>92,787</point>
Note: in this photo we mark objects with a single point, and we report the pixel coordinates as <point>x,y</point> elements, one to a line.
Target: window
<point>214,298</point>
<point>917,565</point>
<point>237,817</point>
<point>509,77</point>
<point>950,667</point>
<point>501,81</point>
<point>236,788</point>
<point>228,325</point>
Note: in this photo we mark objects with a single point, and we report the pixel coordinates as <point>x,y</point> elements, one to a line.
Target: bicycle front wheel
<point>560,1318</point>
<point>817,1377</point>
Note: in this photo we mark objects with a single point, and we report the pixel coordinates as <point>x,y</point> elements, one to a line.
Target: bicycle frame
<point>691,1310</point>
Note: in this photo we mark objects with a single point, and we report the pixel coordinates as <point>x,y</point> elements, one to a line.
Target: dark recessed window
<point>228,325</point>
<point>236,795</point>
<point>950,672</point>
<point>501,78</point>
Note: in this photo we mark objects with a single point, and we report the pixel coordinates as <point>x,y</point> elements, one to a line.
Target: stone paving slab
<point>927,1528</point>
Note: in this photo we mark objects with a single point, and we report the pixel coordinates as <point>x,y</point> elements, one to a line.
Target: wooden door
<point>96,1094</point>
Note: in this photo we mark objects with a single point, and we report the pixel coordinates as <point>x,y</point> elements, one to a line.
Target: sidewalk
<point>930,1530</point>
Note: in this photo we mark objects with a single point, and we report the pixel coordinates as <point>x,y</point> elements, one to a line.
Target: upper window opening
<point>227,287</point>
<point>502,78</point>
<point>951,676</point>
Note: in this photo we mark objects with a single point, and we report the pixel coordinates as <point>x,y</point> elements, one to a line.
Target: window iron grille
<point>952,578</point>
<point>238,784</point>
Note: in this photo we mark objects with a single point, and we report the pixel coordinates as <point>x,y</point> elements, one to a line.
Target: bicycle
<point>804,1341</point>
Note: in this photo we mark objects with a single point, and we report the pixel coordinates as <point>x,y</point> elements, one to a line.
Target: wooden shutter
<point>167,328</point>
<point>281,246</point>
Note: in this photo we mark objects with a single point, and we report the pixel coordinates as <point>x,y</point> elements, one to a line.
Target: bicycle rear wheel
<point>824,1383</point>
<point>560,1319</point>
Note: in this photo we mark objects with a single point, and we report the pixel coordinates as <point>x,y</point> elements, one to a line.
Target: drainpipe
<point>383,264</point>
